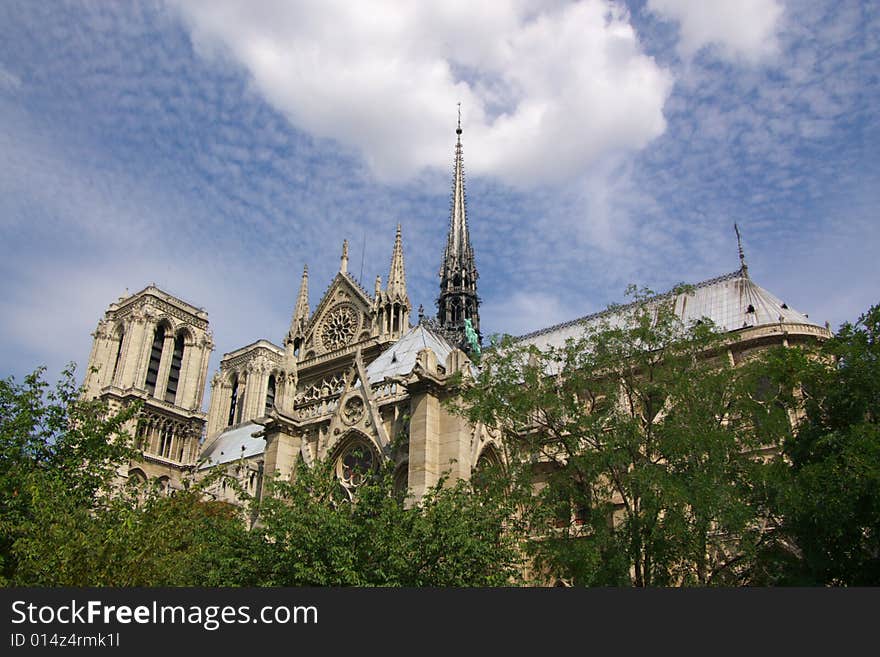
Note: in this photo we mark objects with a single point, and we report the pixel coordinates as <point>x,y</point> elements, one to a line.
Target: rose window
<point>339,328</point>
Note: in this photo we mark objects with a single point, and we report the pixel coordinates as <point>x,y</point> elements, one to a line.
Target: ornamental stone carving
<point>353,410</point>
<point>339,327</point>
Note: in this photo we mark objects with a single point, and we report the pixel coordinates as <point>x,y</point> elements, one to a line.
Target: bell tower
<point>154,347</point>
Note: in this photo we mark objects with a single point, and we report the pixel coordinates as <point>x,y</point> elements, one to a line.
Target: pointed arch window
<point>155,359</point>
<point>270,393</point>
<point>120,336</point>
<point>165,442</point>
<point>233,402</point>
<point>174,372</point>
<point>354,465</point>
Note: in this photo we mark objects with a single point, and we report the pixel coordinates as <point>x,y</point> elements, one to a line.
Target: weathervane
<point>742,255</point>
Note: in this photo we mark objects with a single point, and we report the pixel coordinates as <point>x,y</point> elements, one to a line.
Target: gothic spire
<point>458,240</point>
<point>458,299</point>
<point>301,310</point>
<point>396,288</point>
<point>391,309</point>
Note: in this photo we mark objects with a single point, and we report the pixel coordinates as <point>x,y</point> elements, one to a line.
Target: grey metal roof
<point>733,301</point>
<point>400,358</point>
<point>234,444</point>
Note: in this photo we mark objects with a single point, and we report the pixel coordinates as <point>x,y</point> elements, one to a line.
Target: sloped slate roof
<point>400,358</point>
<point>228,447</point>
<point>732,302</point>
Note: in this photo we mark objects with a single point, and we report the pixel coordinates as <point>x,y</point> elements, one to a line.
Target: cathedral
<point>353,382</point>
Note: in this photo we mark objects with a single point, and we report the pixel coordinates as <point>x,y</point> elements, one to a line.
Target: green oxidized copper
<point>471,336</point>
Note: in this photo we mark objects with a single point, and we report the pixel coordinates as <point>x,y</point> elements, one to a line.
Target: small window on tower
<point>233,402</point>
<point>155,359</point>
<point>174,373</point>
<point>270,394</point>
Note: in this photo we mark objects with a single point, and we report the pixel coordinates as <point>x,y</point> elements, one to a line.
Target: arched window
<point>239,411</point>
<point>486,469</point>
<point>137,477</point>
<point>233,401</point>
<point>174,372</point>
<point>401,481</point>
<point>120,336</point>
<point>270,393</point>
<point>165,443</point>
<point>155,359</point>
<point>354,465</point>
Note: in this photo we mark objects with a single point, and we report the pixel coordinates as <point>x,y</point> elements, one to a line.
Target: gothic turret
<point>458,299</point>
<point>300,316</point>
<point>393,305</point>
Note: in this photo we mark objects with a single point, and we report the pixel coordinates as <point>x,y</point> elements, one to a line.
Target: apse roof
<point>733,301</point>
<point>400,358</point>
<point>234,444</point>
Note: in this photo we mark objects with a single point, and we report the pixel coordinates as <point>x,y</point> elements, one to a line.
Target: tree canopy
<point>653,459</point>
<point>66,522</point>
<point>640,454</point>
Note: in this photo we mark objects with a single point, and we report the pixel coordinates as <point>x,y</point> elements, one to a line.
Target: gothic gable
<point>343,317</point>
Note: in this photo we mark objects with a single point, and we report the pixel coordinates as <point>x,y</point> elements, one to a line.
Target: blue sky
<point>215,147</point>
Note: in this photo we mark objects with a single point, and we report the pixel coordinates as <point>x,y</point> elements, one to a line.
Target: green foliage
<point>64,523</point>
<point>53,444</point>
<point>311,534</point>
<point>642,442</point>
<point>142,538</point>
<point>831,503</point>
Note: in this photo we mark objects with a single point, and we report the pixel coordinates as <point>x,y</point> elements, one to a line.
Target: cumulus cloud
<point>547,88</point>
<point>740,29</point>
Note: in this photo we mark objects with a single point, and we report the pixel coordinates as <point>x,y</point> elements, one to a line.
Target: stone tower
<point>458,300</point>
<point>154,347</point>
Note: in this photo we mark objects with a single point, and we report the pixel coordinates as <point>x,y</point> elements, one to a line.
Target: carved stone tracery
<point>339,327</point>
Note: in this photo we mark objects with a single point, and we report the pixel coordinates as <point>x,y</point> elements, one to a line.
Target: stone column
<point>424,428</point>
<point>138,340</point>
<point>281,452</point>
<point>454,446</point>
<point>187,365</point>
<point>206,346</point>
<point>214,408</point>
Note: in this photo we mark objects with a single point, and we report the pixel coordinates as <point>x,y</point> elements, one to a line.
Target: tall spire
<point>458,299</point>
<point>392,306</point>
<point>300,312</point>
<point>396,287</point>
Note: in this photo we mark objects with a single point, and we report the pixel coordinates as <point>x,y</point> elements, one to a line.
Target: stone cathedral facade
<point>353,381</point>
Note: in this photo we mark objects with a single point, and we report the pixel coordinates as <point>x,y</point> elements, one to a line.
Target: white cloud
<point>522,312</point>
<point>547,88</point>
<point>744,29</point>
<point>8,81</point>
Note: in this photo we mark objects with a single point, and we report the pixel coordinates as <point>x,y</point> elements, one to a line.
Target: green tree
<point>831,504</point>
<point>64,522</point>
<point>53,444</point>
<point>644,446</point>
<point>311,534</point>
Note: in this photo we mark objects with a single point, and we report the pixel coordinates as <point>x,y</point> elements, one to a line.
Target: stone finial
<point>343,264</point>
<point>396,287</point>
